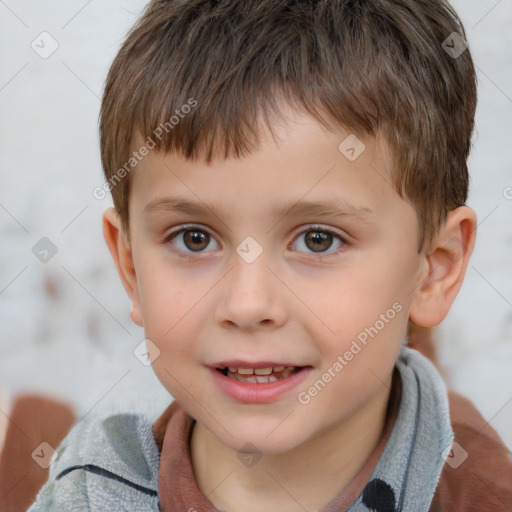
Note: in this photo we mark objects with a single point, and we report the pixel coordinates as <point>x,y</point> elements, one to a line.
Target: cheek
<point>164,295</point>
<point>363,294</point>
<point>388,277</point>
<point>170,320</point>
<point>368,313</point>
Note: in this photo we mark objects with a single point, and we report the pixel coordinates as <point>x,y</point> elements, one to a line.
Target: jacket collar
<point>409,469</point>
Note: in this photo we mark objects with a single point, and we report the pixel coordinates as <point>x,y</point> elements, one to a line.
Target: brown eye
<point>196,240</point>
<point>189,240</point>
<point>319,240</point>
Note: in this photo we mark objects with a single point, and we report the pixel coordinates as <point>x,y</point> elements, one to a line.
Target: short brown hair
<point>368,66</point>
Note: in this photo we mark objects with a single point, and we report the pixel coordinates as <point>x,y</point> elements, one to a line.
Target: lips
<point>254,388</point>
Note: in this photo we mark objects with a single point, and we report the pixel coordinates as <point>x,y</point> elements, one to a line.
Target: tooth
<point>259,379</point>
<point>232,369</point>
<point>278,368</point>
<point>245,371</point>
<point>263,371</point>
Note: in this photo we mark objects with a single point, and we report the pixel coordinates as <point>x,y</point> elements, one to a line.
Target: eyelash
<point>313,228</point>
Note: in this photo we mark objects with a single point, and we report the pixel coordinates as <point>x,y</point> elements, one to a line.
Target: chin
<point>257,441</point>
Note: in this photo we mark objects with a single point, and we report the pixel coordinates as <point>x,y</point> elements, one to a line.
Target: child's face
<point>212,297</point>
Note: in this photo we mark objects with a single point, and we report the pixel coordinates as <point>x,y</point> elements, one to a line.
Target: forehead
<point>305,163</point>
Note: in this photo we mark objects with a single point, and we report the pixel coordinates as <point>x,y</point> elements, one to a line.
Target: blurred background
<point>64,315</point>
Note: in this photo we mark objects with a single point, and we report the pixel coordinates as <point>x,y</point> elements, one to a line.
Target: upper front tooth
<point>258,371</point>
<point>263,371</point>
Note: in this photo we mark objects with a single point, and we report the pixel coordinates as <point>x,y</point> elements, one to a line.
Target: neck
<point>307,477</point>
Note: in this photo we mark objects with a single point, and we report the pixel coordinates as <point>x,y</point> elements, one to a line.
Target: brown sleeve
<point>34,419</point>
<point>483,481</point>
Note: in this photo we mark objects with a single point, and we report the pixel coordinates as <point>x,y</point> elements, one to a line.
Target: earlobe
<point>121,252</point>
<point>135,315</point>
<point>445,268</point>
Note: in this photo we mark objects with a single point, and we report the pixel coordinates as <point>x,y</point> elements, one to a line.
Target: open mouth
<point>259,375</point>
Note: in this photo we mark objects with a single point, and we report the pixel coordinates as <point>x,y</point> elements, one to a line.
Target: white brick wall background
<point>65,324</point>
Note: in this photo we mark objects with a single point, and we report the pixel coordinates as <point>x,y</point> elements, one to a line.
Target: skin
<point>200,303</point>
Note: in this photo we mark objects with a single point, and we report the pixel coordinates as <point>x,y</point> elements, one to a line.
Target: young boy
<point>315,154</point>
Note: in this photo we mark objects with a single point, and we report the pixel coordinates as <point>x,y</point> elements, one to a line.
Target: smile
<point>259,385</point>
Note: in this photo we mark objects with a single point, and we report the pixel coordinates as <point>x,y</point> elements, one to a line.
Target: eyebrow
<point>337,208</point>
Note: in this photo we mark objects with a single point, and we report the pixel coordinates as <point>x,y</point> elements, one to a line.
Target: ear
<point>445,267</point>
<point>119,248</point>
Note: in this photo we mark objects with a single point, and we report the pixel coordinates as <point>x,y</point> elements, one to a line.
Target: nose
<point>252,296</point>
